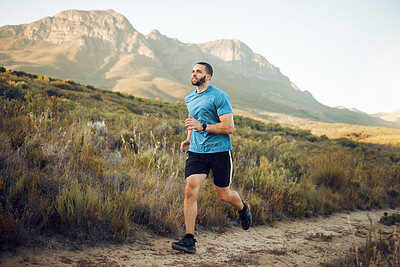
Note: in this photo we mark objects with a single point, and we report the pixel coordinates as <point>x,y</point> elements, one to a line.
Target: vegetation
<point>380,249</point>
<point>87,163</point>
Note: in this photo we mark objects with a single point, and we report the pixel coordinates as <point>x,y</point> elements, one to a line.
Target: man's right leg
<point>193,184</point>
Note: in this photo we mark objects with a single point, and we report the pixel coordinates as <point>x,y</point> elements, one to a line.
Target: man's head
<point>209,69</point>
<point>201,73</point>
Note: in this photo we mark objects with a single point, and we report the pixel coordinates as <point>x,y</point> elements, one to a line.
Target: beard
<point>199,82</point>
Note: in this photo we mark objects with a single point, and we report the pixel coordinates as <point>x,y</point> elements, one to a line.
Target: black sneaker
<point>245,216</point>
<point>187,244</point>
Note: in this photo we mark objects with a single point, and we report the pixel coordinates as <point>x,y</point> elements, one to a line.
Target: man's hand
<point>191,123</point>
<point>184,144</point>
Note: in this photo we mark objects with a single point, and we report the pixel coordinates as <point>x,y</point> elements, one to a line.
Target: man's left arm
<point>226,126</point>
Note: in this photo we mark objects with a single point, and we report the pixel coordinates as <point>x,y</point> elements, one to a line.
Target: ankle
<point>189,236</point>
<point>244,207</point>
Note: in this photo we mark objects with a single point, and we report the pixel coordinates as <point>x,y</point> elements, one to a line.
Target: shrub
<point>53,92</point>
<point>331,170</point>
<point>122,213</point>
<point>96,96</point>
<point>11,92</point>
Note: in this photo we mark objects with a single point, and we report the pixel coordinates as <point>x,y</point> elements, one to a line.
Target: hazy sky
<point>345,52</point>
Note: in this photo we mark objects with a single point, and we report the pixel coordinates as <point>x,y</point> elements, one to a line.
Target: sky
<point>345,52</point>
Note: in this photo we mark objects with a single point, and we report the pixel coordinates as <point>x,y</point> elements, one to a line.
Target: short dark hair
<point>209,69</point>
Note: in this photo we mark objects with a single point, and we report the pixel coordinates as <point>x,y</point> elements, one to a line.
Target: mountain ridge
<point>104,49</point>
<point>389,116</point>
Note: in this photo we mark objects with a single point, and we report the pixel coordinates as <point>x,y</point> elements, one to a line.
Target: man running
<point>209,125</point>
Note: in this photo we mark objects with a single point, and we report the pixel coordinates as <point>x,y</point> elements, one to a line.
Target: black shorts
<point>220,163</point>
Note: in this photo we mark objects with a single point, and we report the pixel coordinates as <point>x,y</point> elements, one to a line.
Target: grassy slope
<point>86,163</point>
<point>360,133</point>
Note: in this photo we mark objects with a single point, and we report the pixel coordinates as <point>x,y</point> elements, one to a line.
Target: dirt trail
<point>306,242</point>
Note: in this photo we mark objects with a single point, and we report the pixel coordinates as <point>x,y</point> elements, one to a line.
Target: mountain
<point>389,116</point>
<point>102,48</point>
<point>350,109</point>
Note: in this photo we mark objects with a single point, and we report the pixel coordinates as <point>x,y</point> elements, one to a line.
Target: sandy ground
<point>303,242</point>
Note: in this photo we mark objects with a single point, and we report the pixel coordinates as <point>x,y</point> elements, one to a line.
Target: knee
<point>191,193</point>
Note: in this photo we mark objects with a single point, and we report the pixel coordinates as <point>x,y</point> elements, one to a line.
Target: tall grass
<point>75,159</point>
<point>380,248</point>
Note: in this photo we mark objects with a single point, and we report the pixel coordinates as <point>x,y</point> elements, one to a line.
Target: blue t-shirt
<point>206,107</point>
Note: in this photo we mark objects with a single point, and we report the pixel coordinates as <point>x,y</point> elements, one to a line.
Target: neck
<point>202,88</point>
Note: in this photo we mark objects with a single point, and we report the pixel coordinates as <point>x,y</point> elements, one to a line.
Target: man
<point>209,125</point>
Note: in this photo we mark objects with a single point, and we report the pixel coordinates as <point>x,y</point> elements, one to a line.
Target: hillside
<point>102,48</point>
<point>95,166</point>
<point>359,133</point>
<point>389,116</point>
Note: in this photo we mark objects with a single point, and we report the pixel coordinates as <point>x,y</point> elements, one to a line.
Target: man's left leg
<point>222,172</point>
<point>232,197</point>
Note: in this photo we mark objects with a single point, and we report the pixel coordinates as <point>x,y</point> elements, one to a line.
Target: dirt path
<point>307,242</point>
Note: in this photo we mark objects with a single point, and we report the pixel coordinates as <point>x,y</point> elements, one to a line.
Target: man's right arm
<point>186,143</point>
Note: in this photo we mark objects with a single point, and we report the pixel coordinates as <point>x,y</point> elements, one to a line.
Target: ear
<point>208,77</point>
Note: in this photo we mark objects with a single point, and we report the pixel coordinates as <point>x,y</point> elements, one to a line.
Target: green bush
<point>331,170</point>
<point>12,92</point>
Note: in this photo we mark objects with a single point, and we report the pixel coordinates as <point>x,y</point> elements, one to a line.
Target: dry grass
<point>378,250</point>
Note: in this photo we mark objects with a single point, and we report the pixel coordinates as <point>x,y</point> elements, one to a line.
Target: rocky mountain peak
<point>155,35</point>
<point>101,18</point>
<point>102,29</point>
<point>227,50</point>
<point>238,57</point>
